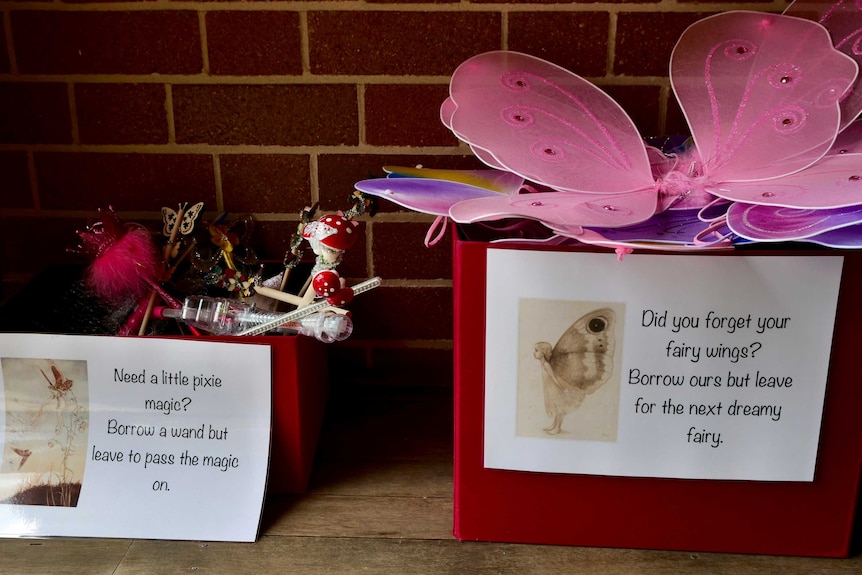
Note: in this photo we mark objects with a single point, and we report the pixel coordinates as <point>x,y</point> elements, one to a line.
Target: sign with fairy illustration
<point>132,437</point>
<point>678,366</point>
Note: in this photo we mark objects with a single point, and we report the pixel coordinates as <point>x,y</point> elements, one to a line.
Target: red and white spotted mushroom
<point>328,284</point>
<point>331,235</point>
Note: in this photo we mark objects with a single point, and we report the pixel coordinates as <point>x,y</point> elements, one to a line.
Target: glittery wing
<point>433,197</point>
<point>436,191</point>
<point>778,224</point>
<point>833,182</point>
<point>670,229</point>
<point>843,20</point>
<point>545,124</point>
<point>849,237</point>
<point>447,109</point>
<point>849,141</point>
<point>570,209</point>
<point>584,355</point>
<point>495,180</point>
<point>760,93</point>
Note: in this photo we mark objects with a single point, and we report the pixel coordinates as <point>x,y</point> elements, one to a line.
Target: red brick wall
<point>265,107</point>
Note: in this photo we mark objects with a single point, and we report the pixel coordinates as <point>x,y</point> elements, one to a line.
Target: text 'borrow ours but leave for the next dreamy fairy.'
<point>726,362</point>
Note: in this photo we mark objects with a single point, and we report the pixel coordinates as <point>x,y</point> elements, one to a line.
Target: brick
<point>121,113</point>
<point>398,43</point>
<point>405,115</point>
<point>253,43</point>
<point>411,1</point>
<point>520,1</point>
<point>265,183</point>
<point>96,1</point>
<point>339,172</point>
<point>557,1</point>
<point>16,181</point>
<point>296,115</point>
<point>399,252</point>
<point>402,313</point>
<point>139,182</point>
<point>577,41</point>
<point>646,40</point>
<point>34,113</point>
<point>156,42</point>
<point>642,105</point>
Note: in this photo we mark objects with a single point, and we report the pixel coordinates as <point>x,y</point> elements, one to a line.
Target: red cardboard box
<point>300,387</point>
<point>300,383</point>
<point>764,517</point>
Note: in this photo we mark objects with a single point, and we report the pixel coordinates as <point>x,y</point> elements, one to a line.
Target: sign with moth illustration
<point>635,369</point>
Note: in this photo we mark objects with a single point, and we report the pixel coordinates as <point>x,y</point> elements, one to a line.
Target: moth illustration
<point>580,363</point>
<point>770,100</point>
<point>190,216</point>
<point>59,384</point>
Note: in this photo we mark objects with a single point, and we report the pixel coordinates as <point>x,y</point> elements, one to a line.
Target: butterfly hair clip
<point>775,153</point>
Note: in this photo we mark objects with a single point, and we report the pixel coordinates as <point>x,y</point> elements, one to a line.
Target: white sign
<point>133,437</point>
<point>679,366</point>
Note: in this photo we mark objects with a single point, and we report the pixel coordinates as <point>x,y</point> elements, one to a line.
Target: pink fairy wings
<point>842,19</point>
<point>766,97</point>
<point>545,124</point>
<point>760,93</point>
<point>774,92</point>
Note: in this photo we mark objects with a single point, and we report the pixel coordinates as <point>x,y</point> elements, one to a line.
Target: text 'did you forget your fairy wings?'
<point>775,152</point>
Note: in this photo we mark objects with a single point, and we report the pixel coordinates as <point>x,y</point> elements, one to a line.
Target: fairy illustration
<point>579,364</point>
<point>46,431</point>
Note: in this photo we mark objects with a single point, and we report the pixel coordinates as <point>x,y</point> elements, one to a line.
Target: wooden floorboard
<point>384,478</point>
<point>315,555</point>
<point>380,501</point>
<point>62,556</point>
<point>362,516</point>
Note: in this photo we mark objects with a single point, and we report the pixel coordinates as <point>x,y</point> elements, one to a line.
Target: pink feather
<point>125,260</point>
<point>125,269</point>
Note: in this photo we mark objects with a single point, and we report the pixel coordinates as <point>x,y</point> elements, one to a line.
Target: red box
<point>785,518</point>
<point>300,387</point>
<point>300,379</point>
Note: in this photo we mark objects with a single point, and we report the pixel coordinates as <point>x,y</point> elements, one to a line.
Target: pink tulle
<point>685,186</point>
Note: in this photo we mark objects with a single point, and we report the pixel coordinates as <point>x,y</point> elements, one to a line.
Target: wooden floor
<point>380,502</point>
